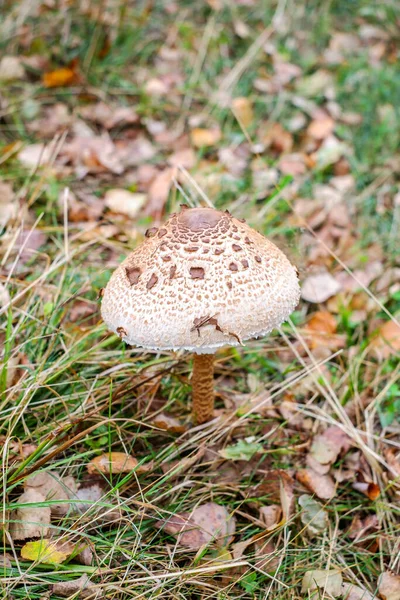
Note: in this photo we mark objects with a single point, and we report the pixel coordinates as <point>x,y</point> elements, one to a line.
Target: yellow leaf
<point>59,78</point>
<point>243,111</point>
<point>47,551</point>
<point>205,137</point>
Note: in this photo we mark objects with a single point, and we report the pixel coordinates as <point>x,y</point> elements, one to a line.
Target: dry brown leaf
<point>132,153</point>
<point>185,158</point>
<point>60,78</point>
<point>327,446</point>
<point>124,202</point>
<point>387,341</point>
<point>271,516</point>
<point>319,287</point>
<point>207,523</point>
<point>70,588</point>
<point>112,462</point>
<point>389,586</point>
<point>168,423</point>
<point>368,488</point>
<point>55,118</point>
<point>277,486</point>
<point>354,592</point>
<point>87,208</point>
<point>28,243</point>
<point>30,521</point>
<point>277,138</point>
<point>159,192</point>
<point>322,486</point>
<point>242,108</point>
<point>35,155</point>
<point>52,487</point>
<point>109,116</point>
<point>266,555</point>
<point>205,137</point>
<point>321,127</point>
<point>81,310</point>
<point>292,164</point>
<point>93,154</point>
<point>359,527</point>
<point>328,580</point>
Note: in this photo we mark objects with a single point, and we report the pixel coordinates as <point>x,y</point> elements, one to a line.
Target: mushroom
<point>202,281</point>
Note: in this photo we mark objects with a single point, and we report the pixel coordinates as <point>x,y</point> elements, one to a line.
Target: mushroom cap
<point>201,281</point>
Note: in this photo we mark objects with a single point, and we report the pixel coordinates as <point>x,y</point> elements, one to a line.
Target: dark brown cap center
<point>198,219</point>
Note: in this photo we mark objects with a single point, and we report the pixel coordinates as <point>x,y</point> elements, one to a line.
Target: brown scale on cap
<point>248,305</point>
<point>197,272</point>
<point>133,274</point>
<point>152,281</point>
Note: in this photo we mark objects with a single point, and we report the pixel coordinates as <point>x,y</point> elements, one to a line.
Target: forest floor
<point>287,114</point>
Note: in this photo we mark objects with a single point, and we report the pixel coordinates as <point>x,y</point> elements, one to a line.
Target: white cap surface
<point>202,281</point>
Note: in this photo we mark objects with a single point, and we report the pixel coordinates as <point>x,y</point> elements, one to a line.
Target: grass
<point>81,392</point>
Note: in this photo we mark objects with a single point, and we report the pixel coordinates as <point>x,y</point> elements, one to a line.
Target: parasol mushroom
<point>201,281</point>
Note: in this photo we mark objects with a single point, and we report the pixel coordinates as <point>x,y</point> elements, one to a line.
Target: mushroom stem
<point>203,387</point>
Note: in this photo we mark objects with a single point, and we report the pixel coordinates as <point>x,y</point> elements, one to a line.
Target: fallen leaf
<point>321,127</point>
<point>389,586</point>
<point>48,551</point>
<point>28,520</point>
<point>277,487</point>
<point>85,556</point>
<point>112,462</point>
<point>93,154</point>
<point>319,287</point>
<point>270,516</point>
<point>168,423</point>
<point>185,158</point>
<point>55,118</point>
<point>59,78</point>
<point>292,164</point>
<point>70,588</point>
<point>266,555</point>
<point>360,527</point>
<point>5,560</point>
<point>354,592</point>
<point>313,515</point>
<point>35,155</point>
<point>109,116</point>
<point>132,153</point>
<point>368,488</point>
<point>52,487</point>
<point>11,68</point>
<point>205,137</point>
<point>243,110</point>
<point>330,581</point>
<point>387,341</point>
<point>322,486</point>
<point>159,191</point>
<point>207,523</point>
<point>124,202</point>
<point>277,138</point>
<point>327,446</point>
<point>28,243</point>
<point>242,450</point>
